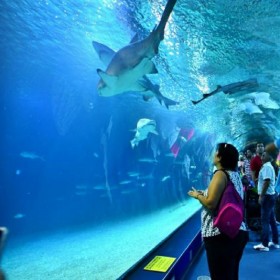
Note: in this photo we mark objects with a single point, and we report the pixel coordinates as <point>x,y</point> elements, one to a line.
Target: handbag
<point>230,210</point>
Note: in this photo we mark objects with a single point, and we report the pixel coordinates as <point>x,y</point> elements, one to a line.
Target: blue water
<point>66,158</point>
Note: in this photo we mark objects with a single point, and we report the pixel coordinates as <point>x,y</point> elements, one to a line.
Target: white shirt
<point>267,172</point>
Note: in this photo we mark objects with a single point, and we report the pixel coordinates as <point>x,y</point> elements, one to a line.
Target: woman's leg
<point>243,239</point>
<point>224,255</point>
<point>220,262</point>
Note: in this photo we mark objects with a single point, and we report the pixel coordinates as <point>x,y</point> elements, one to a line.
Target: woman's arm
<point>215,190</point>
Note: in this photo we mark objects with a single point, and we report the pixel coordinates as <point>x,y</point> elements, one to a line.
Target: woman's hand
<point>195,193</point>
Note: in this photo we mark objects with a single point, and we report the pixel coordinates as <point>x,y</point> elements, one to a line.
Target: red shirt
<point>256,164</point>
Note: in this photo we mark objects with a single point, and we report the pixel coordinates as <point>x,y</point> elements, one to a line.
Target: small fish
<point>165,178</point>
<point>99,187</point>
<point>133,174</point>
<point>146,177</point>
<point>147,160</point>
<point>19,216</point>
<point>18,172</point>
<point>169,155</point>
<point>125,182</point>
<point>31,155</point>
<point>144,127</point>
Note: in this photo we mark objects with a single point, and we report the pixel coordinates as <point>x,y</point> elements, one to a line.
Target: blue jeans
<point>268,219</point>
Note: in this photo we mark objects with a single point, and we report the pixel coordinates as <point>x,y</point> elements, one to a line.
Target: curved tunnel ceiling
<point>210,43</point>
<point>206,44</point>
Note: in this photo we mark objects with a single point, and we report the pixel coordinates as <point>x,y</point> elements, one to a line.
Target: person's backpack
<point>230,210</point>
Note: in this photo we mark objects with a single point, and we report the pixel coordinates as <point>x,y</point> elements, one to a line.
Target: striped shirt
<point>247,168</point>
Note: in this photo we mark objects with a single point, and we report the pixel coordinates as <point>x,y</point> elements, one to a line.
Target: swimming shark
<point>133,61</point>
<point>246,85</point>
<point>144,127</point>
<point>144,84</point>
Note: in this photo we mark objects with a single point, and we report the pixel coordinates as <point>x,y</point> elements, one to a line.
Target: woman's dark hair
<point>229,155</point>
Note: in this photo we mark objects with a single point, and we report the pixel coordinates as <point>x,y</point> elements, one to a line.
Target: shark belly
<point>125,81</point>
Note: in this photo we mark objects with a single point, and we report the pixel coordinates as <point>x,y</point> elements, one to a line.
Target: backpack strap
<point>224,172</point>
<point>215,211</point>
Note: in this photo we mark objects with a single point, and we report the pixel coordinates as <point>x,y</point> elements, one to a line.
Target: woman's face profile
<point>216,158</point>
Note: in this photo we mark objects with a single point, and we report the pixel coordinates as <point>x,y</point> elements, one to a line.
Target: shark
<point>246,85</point>
<point>144,84</point>
<point>143,128</point>
<point>133,61</point>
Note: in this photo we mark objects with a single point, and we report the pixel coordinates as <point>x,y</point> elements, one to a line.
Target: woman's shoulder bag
<point>230,210</point>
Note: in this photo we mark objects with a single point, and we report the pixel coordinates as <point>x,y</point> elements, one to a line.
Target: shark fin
<point>168,102</point>
<point>107,79</point>
<point>137,87</point>
<point>162,99</point>
<point>105,57</point>
<point>154,132</point>
<point>146,66</point>
<point>105,54</point>
<point>134,39</point>
<point>153,69</point>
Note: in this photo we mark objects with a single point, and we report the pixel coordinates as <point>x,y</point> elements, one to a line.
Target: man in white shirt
<point>271,147</point>
<point>267,197</point>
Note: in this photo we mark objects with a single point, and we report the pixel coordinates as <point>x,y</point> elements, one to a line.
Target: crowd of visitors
<point>253,174</point>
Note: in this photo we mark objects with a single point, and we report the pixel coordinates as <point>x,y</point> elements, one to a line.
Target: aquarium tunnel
<point>111,111</point>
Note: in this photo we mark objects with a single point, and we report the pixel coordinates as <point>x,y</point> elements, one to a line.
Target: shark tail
<point>165,16</point>
<point>205,95</point>
<point>162,99</point>
<point>168,102</point>
<point>194,102</point>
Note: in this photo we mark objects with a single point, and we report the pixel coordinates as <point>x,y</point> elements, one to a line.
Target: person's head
<point>260,149</point>
<point>226,156</point>
<point>266,157</point>
<point>249,154</point>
